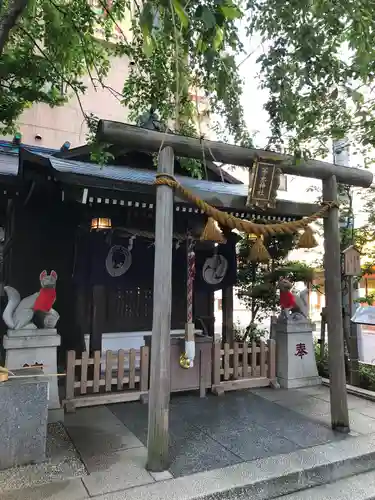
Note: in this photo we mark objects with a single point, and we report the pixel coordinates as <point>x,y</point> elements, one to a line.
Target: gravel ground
<point>62,462</point>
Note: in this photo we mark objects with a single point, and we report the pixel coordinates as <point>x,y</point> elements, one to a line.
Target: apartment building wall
<point>42,125</point>
<point>51,127</point>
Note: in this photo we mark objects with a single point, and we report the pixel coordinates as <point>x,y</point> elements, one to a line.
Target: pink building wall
<point>66,123</point>
<point>49,127</point>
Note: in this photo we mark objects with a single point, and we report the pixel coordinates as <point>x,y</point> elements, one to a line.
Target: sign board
<point>264,181</point>
<point>351,261</point>
<point>364,315</point>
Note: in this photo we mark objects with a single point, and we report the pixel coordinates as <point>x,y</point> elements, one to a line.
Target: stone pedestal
<point>296,364</point>
<point>23,429</point>
<point>28,347</point>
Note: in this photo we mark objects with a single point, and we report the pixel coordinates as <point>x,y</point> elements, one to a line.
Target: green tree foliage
<point>174,47</point>
<point>317,62</point>
<point>319,67</point>
<point>178,47</point>
<point>47,52</point>
<point>257,281</point>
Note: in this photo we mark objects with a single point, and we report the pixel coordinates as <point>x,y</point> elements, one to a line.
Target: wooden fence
<point>123,375</point>
<point>243,366</point>
<point>113,378</point>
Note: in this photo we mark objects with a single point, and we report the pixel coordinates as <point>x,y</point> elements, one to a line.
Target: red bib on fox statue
<point>287,299</point>
<point>45,299</point>
<point>292,305</point>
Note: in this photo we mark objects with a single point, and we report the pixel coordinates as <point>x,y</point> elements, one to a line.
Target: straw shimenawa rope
<point>225,219</point>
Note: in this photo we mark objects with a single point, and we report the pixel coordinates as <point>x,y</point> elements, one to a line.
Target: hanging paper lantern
<point>100,224</point>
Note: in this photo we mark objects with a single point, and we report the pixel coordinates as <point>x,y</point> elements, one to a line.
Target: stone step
<point>343,470</point>
<point>299,473</point>
<point>359,487</point>
<point>267,478</point>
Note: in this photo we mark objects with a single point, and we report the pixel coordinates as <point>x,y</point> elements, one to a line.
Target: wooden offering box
<point>197,377</point>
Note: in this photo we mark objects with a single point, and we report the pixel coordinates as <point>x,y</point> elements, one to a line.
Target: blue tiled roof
<point>9,156</point>
<point>218,194</point>
<point>8,164</point>
<point>140,176</point>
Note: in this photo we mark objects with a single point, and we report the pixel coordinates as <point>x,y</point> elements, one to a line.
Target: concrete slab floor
<point>111,457</point>
<point>315,405</point>
<point>116,471</point>
<point>96,431</point>
<point>212,433</point>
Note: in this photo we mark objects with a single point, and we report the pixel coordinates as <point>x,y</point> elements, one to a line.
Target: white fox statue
<point>294,306</point>
<point>25,314</point>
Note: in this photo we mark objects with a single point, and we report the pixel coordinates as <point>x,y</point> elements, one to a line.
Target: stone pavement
<point>214,432</point>
<point>243,439</point>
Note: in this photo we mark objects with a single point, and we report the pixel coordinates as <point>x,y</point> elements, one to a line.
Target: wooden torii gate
<point>168,145</point>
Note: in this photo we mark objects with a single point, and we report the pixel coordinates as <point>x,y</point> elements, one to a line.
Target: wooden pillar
<point>158,407</point>
<point>211,314</point>
<point>227,308</point>
<point>332,271</point>
<point>323,316</point>
<point>98,315</point>
<point>353,339</point>
<point>318,300</point>
<point>82,318</point>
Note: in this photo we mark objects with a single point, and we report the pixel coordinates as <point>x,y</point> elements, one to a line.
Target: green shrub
<point>367,377</point>
<point>252,332</point>
<point>321,361</point>
<point>366,372</point>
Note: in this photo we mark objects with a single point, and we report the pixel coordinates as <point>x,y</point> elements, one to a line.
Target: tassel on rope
<point>307,239</point>
<point>4,374</point>
<point>258,252</point>
<point>212,233</point>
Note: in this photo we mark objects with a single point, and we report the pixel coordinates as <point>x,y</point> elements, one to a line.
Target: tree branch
<point>61,74</point>
<point>9,19</point>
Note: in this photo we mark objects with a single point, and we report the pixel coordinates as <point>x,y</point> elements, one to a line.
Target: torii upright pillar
<point>332,274</point>
<point>158,405</point>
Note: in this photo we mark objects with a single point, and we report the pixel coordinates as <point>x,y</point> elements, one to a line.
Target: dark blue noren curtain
<point>114,263</point>
<point>217,269</point>
<point>93,255</point>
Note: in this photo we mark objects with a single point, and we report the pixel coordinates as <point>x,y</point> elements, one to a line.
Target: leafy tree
<point>174,46</point>
<point>363,239</point>
<point>257,281</point>
<point>317,63</point>
<point>318,67</point>
<point>46,51</point>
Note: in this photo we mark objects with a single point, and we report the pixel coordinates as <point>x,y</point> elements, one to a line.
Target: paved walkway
<point>214,432</point>
<point>212,440</point>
